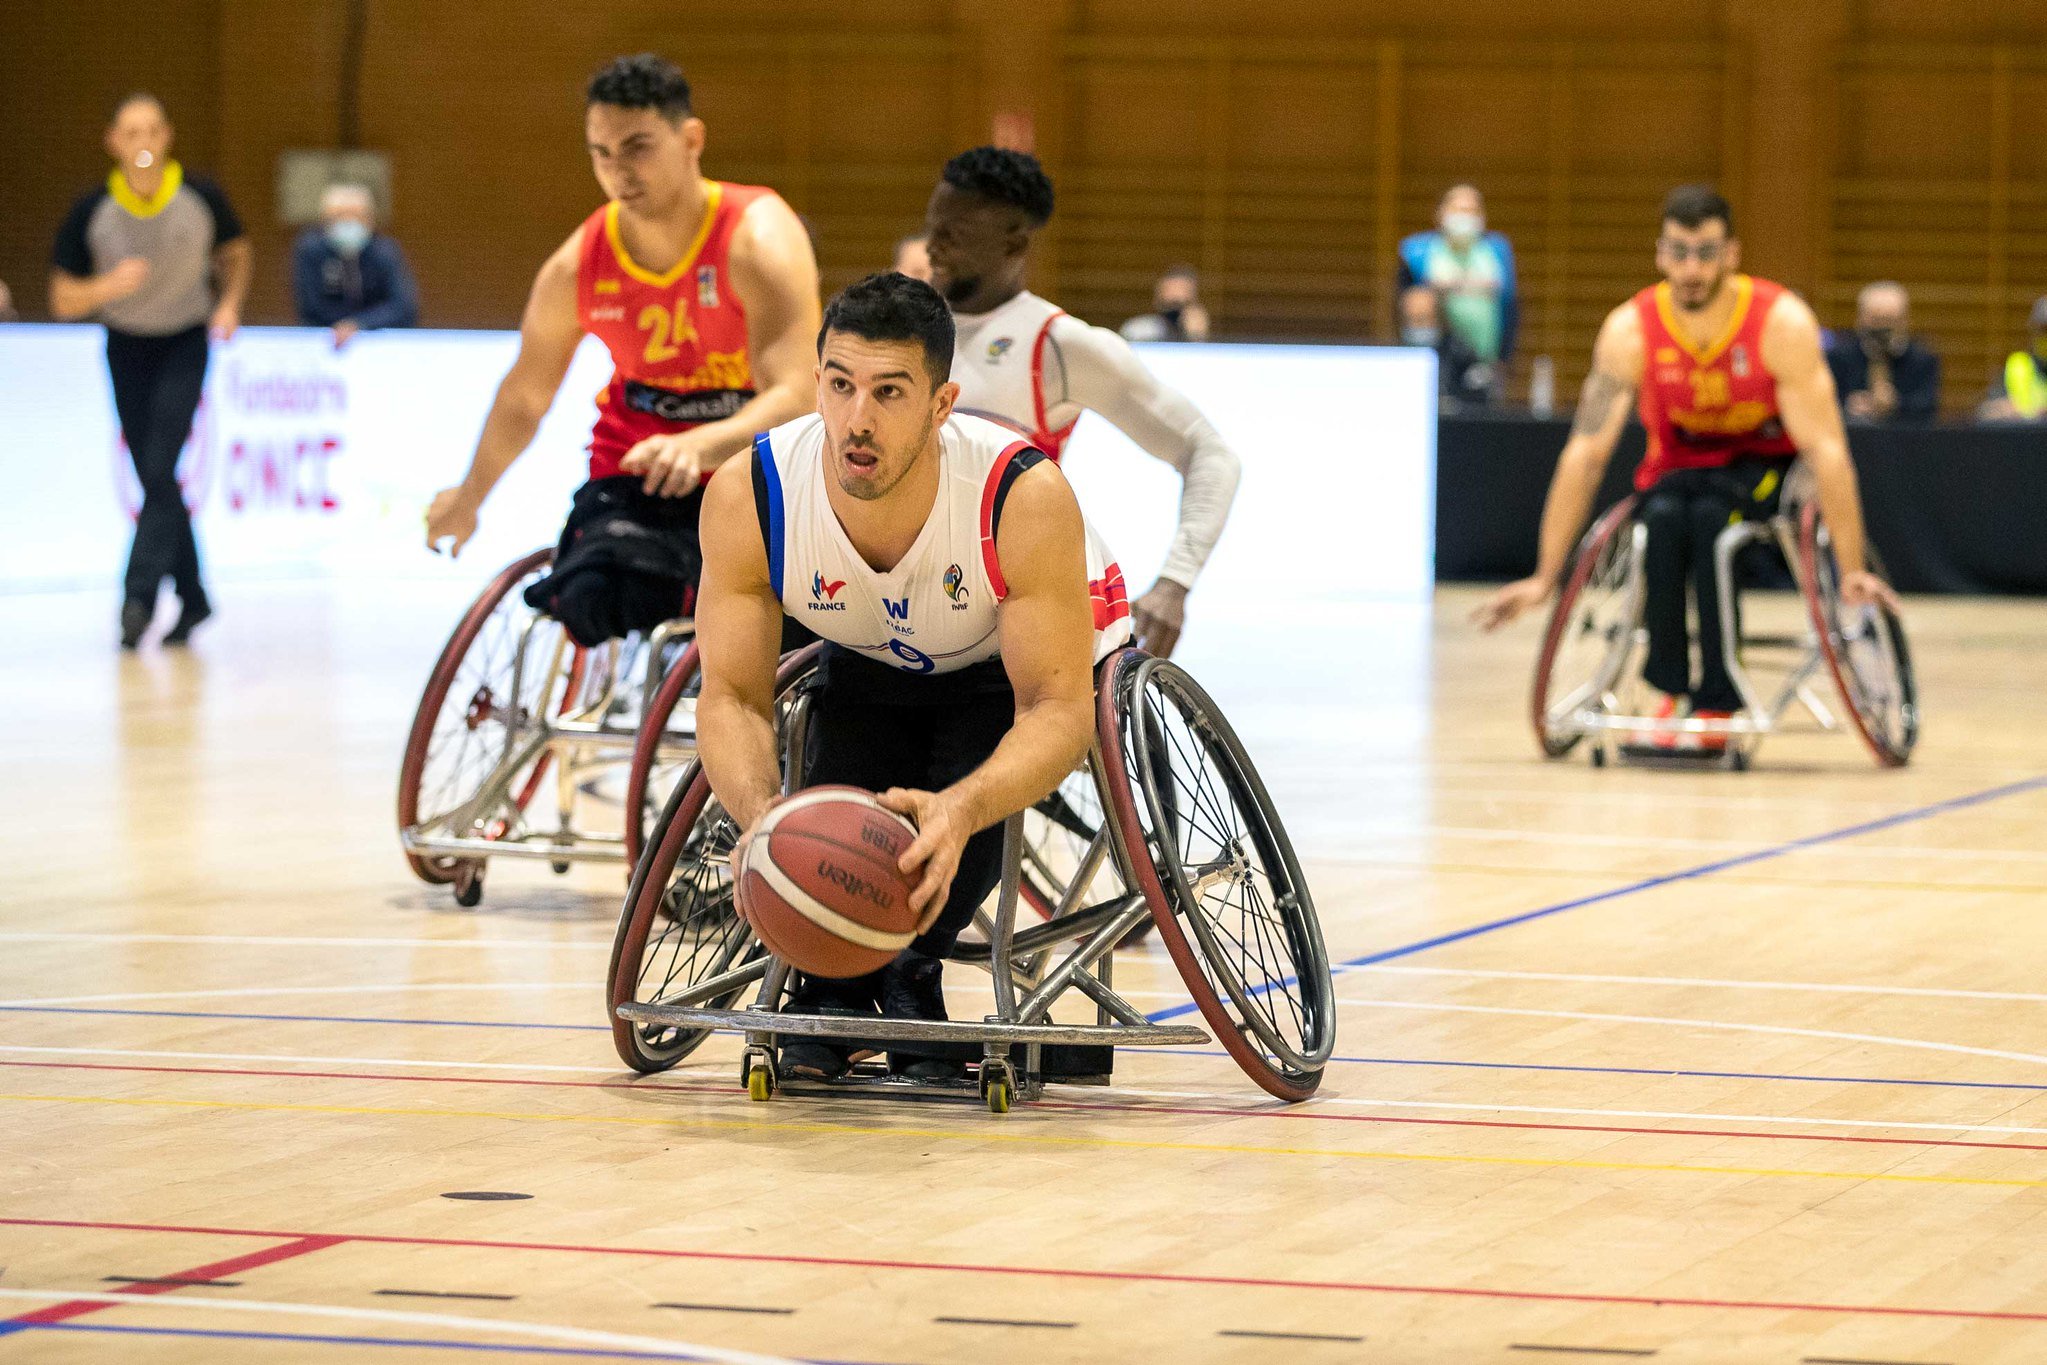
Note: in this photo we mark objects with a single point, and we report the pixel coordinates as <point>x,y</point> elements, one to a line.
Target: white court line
<point>258,940</point>
<point>1604,979</point>
<point>230,992</point>
<point>681,1350</point>
<point>1202,1096</point>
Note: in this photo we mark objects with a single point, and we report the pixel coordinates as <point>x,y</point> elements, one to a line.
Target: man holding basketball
<point>964,603</point>
<point>1733,385</point>
<point>705,293</point>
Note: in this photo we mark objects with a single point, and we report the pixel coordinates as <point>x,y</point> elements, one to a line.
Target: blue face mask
<point>348,236</point>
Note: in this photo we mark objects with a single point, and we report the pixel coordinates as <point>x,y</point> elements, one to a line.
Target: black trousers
<point>874,727</point>
<point>1685,512</point>
<point>157,381</point>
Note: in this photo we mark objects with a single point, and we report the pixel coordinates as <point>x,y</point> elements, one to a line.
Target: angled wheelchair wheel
<point>654,775</point>
<point>468,714</point>
<point>680,938</point>
<point>1207,849</point>
<point>1591,629</point>
<point>1864,648</point>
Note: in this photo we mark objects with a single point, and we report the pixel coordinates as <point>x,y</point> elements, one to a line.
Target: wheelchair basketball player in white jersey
<point>1026,363</point>
<point>964,603</point>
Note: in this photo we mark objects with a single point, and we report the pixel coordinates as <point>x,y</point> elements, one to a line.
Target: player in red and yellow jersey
<point>1733,384</point>
<point>706,295</point>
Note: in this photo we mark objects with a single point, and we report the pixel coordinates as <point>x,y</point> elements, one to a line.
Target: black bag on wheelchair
<point>628,561</point>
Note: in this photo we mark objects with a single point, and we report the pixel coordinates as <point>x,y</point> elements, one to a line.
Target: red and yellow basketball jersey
<point>1705,409</point>
<point>677,339</point>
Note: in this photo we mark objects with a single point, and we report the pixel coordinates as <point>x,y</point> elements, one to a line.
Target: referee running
<point>159,257</point>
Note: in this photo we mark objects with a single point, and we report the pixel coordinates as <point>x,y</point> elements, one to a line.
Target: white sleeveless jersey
<point>999,361</point>
<point>935,612</point>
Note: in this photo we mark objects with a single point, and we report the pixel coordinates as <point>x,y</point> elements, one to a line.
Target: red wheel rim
<point>1809,584</point>
<point>647,747</point>
<point>1589,550</point>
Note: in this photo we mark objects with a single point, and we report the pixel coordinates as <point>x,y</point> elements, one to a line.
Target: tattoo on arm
<point>1596,402</point>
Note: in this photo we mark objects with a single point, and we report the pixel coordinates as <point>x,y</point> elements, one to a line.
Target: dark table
<point>1950,508</point>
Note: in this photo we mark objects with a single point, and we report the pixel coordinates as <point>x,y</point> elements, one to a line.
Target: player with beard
<point>1024,362</point>
<point>1733,384</point>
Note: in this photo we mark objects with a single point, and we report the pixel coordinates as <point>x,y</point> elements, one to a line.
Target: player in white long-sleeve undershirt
<point>1023,362</point>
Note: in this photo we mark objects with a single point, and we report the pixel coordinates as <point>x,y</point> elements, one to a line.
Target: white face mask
<point>1463,227</point>
<point>348,235</point>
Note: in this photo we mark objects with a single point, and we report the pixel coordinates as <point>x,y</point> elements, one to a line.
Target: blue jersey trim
<point>766,451</point>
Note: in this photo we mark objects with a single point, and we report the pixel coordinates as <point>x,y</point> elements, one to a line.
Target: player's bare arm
<point>1603,407</point>
<point>1811,414</point>
<point>774,274</point>
<point>549,332</point>
<point>1047,633</point>
<point>739,631</point>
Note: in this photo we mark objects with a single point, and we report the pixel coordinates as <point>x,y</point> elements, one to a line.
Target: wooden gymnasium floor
<point>1683,1067</point>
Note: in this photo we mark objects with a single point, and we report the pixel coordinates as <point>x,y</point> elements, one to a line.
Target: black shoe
<point>189,620</point>
<point>134,620</point>
<point>825,1059</point>
<point>912,987</point>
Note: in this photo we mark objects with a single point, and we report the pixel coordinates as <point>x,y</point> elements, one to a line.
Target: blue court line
<point>2032,1086</point>
<point>1669,878</point>
<point>324,1339</point>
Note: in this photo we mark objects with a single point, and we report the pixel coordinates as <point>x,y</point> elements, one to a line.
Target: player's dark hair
<point>1007,177</point>
<point>642,81</point>
<point>889,306</point>
<point>135,97</point>
<point>1694,206</point>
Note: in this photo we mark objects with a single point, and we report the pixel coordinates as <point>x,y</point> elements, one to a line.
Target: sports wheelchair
<point>1185,836</point>
<point>514,702</point>
<point>1588,675</point>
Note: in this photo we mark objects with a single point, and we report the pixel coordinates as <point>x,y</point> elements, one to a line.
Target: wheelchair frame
<point>1597,708</point>
<point>564,712</point>
<point>1031,969</point>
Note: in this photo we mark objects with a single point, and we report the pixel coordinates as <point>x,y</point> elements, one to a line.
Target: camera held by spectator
<point>1177,313</point>
<point>348,276</point>
<point>1882,372</point>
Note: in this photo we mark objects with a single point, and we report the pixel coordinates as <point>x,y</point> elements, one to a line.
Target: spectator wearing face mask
<point>348,276</point>
<point>2019,393</point>
<point>1471,270</point>
<point>1881,371</point>
<point>1462,379</point>
<point>1177,313</point>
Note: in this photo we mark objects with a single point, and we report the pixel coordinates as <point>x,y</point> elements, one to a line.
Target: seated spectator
<point>1471,269</point>
<point>347,275</point>
<point>1882,372</point>
<point>913,258</point>
<point>1176,311</point>
<point>7,313</point>
<point>1462,379</point>
<point>2019,394</point>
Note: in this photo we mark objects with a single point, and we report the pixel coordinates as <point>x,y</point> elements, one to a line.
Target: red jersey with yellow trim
<point>1707,408</point>
<point>677,339</point>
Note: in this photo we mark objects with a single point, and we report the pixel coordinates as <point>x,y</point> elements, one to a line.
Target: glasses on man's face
<point>1677,253</point>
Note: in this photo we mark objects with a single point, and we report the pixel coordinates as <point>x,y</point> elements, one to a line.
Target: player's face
<point>641,159</point>
<point>140,136</point>
<point>880,411</point>
<point>1696,261</point>
<point>970,239</point>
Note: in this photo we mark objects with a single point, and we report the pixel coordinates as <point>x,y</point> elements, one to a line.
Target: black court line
<point>485,1194</point>
<point>1286,1336</point>
<point>1002,1322</point>
<point>444,1294</point>
<point>723,1308</point>
<point>1582,1350</point>
<point>1857,1360</point>
<point>175,1281</point>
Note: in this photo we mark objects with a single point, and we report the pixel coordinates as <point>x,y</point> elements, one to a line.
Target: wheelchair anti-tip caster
<point>469,886</point>
<point>998,1085</point>
<point>760,1076</point>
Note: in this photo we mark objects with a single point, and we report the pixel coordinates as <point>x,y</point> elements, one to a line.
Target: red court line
<point>1310,1116</point>
<point>78,1308</point>
<point>1071,1273</point>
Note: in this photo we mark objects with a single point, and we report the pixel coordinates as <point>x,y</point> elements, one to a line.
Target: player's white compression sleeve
<point>1101,372</point>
